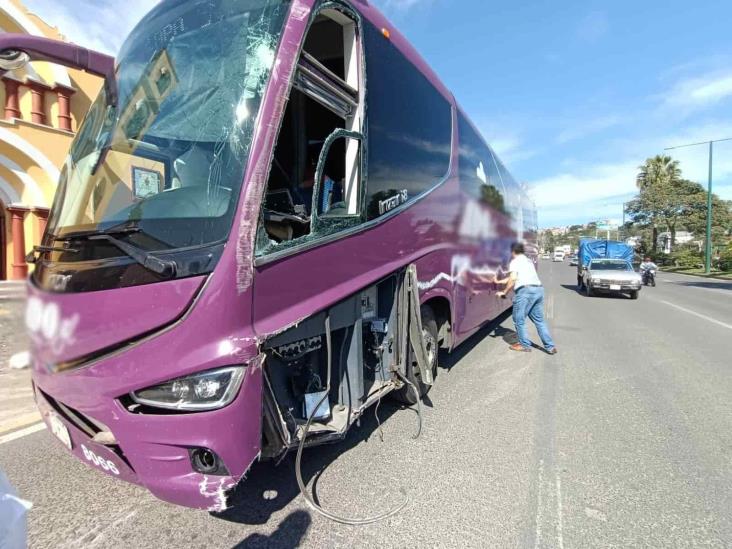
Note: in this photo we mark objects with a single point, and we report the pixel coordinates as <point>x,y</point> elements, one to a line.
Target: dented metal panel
<point>415,326</point>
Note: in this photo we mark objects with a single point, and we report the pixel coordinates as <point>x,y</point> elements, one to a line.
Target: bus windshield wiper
<point>31,257</point>
<point>120,228</point>
<point>165,267</point>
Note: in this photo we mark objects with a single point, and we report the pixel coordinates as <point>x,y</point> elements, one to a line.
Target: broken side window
<point>314,187</point>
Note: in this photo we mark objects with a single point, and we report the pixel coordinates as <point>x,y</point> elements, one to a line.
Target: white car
<point>611,276</point>
<point>558,256</point>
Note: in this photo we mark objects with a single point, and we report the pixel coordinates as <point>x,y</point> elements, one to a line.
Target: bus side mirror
<point>16,50</point>
<point>11,60</point>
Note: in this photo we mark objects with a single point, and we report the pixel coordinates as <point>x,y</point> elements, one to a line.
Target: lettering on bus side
<point>393,201</point>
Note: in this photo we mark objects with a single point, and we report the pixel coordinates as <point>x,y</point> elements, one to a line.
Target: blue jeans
<point>529,301</point>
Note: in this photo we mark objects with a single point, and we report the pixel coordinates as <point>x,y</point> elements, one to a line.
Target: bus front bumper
<point>154,451</point>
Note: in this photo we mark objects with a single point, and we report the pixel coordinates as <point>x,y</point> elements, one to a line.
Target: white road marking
<point>537,536</point>
<point>549,513</point>
<point>705,317</point>
<point>20,433</point>
<point>560,536</point>
<point>550,306</point>
<point>103,531</point>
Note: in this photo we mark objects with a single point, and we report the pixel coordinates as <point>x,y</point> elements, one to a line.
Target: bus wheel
<point>406,394</point>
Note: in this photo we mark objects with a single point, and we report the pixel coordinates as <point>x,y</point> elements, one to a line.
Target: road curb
<point>708,277</point>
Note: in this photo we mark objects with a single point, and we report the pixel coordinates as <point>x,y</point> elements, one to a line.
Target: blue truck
<point>606,266</point>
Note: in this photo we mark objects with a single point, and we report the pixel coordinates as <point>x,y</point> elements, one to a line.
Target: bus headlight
<point>203,391</point>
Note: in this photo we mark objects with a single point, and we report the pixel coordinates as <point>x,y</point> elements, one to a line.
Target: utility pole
<point>623,225</point>
<point>708,247</point>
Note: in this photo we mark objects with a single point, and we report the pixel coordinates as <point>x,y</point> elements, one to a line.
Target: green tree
<point>695,212</point>
<point>658,202</point>
<point>548,241</point>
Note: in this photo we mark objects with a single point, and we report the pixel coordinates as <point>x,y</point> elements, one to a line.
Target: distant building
<point>633,241</point>
<point>43,106</point>
<point>664,240</point>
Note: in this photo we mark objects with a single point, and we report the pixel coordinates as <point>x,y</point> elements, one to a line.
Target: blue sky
<point>573,95</point>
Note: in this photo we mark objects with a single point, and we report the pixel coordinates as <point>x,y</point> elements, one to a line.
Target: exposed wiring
<point>419,403</point>
<point>298,470</point>
<point>378,421</point>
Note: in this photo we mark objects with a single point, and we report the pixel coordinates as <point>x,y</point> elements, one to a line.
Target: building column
<point>38,103</point>
<point>42,219</point>
<point>20,267</point>
<point>12,105</point>
<point>64,108</point>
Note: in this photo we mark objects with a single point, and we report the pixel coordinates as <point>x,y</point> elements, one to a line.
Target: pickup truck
<point>611,276</point>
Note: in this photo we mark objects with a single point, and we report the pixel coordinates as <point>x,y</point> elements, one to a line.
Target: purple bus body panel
<point>86,322</point>
<point>225,323</point>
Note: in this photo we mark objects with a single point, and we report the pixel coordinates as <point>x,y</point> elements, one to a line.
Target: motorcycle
<point>649,277</point>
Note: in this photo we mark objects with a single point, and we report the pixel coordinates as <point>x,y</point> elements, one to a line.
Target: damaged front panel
<point>369,336</point>
<point>361,338</point>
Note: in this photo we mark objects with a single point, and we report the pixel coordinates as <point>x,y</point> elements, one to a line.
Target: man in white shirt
<point>528,301</point>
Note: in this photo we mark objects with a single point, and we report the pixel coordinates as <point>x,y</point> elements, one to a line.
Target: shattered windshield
<point>165,144</point>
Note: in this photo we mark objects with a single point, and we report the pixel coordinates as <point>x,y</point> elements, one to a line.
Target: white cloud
<point>505,138</point>
<point>583,192</point>
<point>572,190</point>
<point>505,146</point>
<point>698,92</point>
<point>101,25</point>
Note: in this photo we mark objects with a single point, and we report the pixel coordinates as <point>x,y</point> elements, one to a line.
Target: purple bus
<point>273,215</point>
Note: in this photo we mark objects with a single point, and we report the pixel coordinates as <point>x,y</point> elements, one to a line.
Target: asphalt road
<point>623,439</point>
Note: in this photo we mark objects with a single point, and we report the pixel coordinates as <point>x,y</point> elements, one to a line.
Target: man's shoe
<point>519,347</point>
<point>553,351</point>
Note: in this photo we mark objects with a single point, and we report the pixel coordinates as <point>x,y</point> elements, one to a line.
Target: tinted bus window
<point>479,176</point>
<point>409,128</point>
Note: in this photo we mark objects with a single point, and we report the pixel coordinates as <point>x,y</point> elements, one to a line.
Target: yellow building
<point>43,106</point>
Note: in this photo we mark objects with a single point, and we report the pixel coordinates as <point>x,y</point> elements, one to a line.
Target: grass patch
<point>725,275</point>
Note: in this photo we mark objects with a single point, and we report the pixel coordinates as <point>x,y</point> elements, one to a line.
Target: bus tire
<point>405,394</point>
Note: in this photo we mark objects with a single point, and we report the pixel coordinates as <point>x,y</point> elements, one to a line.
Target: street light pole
<point>708,247</point>
<point>623,225</point>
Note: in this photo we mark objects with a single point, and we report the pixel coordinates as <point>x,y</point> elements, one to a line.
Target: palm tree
<point>658,170</point>
<point>658,173</point>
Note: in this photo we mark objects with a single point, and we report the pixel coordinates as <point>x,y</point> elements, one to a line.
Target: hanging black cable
<point>298,470</point>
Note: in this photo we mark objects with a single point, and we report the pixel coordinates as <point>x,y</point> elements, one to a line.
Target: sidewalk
<point>12,290</point>
<point>17,407</point>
